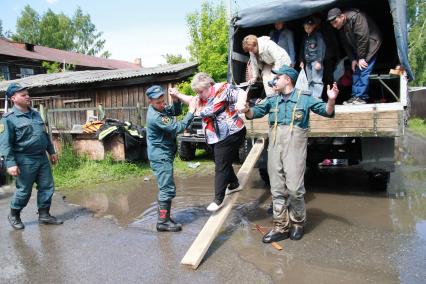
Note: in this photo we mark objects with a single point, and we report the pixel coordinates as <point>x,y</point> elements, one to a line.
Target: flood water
<point>354,233</point>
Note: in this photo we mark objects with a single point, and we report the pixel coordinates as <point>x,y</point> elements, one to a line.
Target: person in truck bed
<point>265,55</point>
<point>361,39</point>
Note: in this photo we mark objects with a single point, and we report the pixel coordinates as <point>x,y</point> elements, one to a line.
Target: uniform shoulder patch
<point>166,120</point>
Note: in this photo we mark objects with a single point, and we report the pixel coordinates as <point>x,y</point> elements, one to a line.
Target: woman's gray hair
<point>201,81</point>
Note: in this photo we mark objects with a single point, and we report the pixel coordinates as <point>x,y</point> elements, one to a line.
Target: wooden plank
<point>210,230</point>
<point>77,101</point>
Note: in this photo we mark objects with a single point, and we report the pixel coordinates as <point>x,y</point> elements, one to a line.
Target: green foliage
<point>185,88</point>
<point>55,67</point>
<point>87,39</point>
<point>208,31</point>
<point>418,126</point>
<point>417,40</point>
<point>174,59</point>
<point>59,31</point>
<point>28,26</point>
<point>1,29</point>
<point>77,171</point>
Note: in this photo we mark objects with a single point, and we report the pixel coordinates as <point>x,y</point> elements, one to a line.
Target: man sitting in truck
<point>288,121</point>
<point>361,39</point>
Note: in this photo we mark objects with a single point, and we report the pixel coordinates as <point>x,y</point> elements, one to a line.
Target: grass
<point>74,171</point>
<point>418,126</point>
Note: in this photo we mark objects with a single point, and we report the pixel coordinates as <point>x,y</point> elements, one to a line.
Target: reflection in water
<point>381,234</point>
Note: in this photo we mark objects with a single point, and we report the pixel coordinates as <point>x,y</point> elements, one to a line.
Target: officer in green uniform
<point>161,139</point>
<point>24,142</point>
<point>288,128</point>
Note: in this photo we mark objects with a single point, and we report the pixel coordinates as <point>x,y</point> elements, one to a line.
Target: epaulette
<point>7,114</point>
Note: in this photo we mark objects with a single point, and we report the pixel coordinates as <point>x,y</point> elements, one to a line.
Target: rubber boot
<point>296,232</point>
<point>44,217</point>
<point>165,223</point>
<point>15,219</point>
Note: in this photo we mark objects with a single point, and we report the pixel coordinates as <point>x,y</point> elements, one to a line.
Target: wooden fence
<point>66,118</point>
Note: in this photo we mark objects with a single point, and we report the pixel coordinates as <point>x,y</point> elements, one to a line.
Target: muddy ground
<point>354,234</point>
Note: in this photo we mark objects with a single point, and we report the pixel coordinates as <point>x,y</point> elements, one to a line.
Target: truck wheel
<point>186,151</point>
<point>379,180</point>
<point>264,176</point>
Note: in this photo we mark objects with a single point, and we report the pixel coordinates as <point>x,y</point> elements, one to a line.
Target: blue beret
<point>13,88</point>
<point>154,92</point>
<point>289,71</point>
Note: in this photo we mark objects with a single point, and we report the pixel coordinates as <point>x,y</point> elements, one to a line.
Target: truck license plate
<point>200,132</point>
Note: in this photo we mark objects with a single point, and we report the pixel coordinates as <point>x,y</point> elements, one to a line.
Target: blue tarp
<point>288,10</point>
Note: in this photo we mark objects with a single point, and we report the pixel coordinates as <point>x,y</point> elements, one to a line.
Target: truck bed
<point>369,120</point>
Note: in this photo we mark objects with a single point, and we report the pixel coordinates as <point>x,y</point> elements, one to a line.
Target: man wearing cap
<point>288,126</point>
<point>361,39</point>
<point>24,142</point>
<point>161,139</point>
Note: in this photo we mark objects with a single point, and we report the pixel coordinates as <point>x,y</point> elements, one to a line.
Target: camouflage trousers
<point>286,169</point>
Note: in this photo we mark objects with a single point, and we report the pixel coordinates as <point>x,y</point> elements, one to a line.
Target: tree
<point>208,31</point>
<point>87,39</point>
<point>174,59</point>
<point>417,40</point>
<point>27,26</point>
<point>59,31</point>
<point>56,31</point>
<point>1,29</point>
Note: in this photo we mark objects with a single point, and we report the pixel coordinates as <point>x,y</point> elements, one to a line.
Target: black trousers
<point>224,153</point>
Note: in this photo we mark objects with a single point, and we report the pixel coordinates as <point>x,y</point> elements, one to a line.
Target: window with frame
<point>4,72</point>
<point>25,72</point>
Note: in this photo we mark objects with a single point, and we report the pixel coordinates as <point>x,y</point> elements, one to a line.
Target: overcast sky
<point>145,29</point>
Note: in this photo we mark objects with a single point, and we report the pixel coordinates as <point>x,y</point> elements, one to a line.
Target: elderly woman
<point>224,129</point>
<point>265,55</point>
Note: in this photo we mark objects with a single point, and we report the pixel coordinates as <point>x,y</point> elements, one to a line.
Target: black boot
<point>44,217</point>
<point>165,223</point>
<point>274,235</point>
<point>15,219</point>
<point>296,232</point>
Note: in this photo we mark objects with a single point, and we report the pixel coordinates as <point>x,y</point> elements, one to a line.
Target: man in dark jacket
<point>361,39</point>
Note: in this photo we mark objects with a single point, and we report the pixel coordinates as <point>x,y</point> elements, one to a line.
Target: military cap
<point>286,70</point>
<point>13,88</point>
<point>154,92</point>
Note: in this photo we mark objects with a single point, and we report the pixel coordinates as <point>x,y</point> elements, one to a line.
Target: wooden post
<point>44,113</point>
<point>210,230</point>
<point>101,112</point>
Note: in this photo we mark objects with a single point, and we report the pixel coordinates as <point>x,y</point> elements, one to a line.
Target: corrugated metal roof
<point>92,76</point>
<point>43,53</point>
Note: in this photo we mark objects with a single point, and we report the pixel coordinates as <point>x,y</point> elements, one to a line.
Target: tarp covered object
<point>288,10</point>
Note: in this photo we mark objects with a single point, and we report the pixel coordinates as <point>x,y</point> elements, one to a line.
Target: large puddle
<point>354,234</point>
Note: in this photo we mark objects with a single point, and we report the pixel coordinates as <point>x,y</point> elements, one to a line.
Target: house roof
<point>16,49</point>
<point>93,76</point>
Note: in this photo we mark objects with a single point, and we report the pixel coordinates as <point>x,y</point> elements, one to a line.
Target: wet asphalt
<point>354,234</point>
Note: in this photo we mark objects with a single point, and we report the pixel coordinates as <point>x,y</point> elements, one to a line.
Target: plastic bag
<point>302,81</point>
